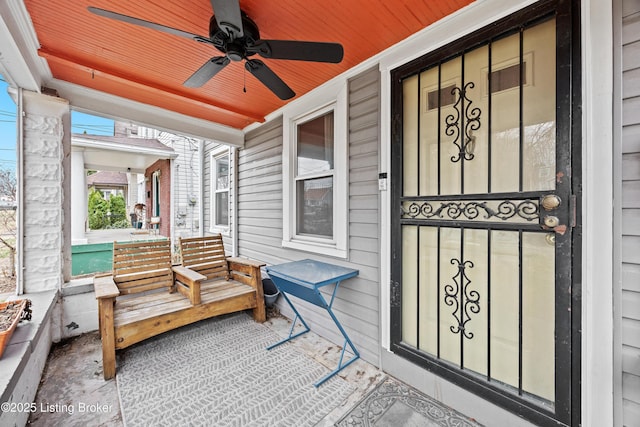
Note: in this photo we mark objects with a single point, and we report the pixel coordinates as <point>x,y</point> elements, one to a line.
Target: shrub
<point>98,208</point>
<point>110,213</point>
<point>118,209</point>
<point>123,223</point>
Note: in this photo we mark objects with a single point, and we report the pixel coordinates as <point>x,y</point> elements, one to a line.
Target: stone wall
<point>44,167</point>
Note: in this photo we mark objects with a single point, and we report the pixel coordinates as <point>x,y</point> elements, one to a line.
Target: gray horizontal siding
<point>260,206</point>
<point>630,310</point>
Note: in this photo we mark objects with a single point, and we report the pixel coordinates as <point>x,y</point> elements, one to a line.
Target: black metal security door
<point>485,213</point>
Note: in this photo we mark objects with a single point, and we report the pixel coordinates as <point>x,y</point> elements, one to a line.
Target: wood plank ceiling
<point>150,66</point>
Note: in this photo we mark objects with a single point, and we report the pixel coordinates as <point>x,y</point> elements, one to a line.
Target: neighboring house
<point>109,183</point>
<point>163,174</point>
<point>482,176</point>
<point>170,189</point>
<point>185,183</point>
<point>119,160</point>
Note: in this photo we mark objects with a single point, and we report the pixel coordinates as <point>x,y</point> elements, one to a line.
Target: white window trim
<point>214,156</point>
<point>336,247</point>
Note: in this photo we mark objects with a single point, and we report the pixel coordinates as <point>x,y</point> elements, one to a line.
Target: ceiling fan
<point>237,37</point>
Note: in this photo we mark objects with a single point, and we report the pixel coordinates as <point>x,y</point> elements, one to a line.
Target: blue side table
<point>304,279</point>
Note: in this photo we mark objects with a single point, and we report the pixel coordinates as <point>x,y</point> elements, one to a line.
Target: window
<point>315,180</point>
<point>314,177</point>
<point>220,190</point>
<point>507,78</point>
<point>155,183</point>
<point>443,97</point>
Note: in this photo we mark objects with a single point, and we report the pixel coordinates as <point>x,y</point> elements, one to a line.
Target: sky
<point>7,128</point>
<point>80,123</point>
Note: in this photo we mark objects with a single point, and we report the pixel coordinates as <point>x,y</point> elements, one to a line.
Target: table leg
<point>290,337</point>
<point>347,341</point>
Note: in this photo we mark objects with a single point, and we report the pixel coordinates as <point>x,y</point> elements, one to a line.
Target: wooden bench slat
<point>137,245</point>
<point>155,257</point>
<point>188,258</point>
<point>146,287</point>
<point>160,281</point>
<point>213,239</point>
<point>140,269</point>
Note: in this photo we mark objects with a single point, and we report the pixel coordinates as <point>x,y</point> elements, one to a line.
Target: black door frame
<point>568,128</point>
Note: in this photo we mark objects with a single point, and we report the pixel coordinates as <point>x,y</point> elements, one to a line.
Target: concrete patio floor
<point>73,376</point>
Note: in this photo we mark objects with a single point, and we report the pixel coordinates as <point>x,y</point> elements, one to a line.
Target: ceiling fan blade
<point>269,79</point>
<point>146,24</point>
<point>301,51</point>
<point>228,16</point>
<point>207,71</point>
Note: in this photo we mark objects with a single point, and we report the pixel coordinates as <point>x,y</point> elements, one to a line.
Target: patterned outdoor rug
<point>219,373</point>
<point>393,403</point>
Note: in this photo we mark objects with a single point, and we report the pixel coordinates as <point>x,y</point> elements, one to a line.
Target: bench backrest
<point>142,266</point>
<point>205,255</point>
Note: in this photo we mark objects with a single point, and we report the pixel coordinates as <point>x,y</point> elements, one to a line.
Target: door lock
<point>550,202</point>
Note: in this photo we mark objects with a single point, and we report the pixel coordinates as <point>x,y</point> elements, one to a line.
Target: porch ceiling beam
<point>122,148</point>
<point>92,101</point>
<point>101,167</point>
<point>97,71</point>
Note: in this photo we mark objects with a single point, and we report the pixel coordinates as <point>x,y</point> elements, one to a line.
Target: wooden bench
<point>145,296</point>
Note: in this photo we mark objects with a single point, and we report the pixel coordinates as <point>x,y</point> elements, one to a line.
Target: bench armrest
<point>188,283</point>
<point>247,271</point>
<point>105,287</point>
<point>187,275</point>
<point>244,261</point>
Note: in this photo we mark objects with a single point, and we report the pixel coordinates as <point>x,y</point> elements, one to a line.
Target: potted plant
<point>12,312</point>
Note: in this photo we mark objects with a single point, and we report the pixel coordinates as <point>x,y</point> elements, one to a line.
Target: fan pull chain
<point>244,83</point>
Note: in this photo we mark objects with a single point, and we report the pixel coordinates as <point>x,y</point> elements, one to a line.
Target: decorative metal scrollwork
<point>470,210</point>
<point>465,141</point>
<point>463,300</point>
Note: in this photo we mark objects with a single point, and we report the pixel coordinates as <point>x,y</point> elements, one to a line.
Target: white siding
<point>186,180</point>
<point>260,205</point>
<point>630,310</point>
<point>186,183</point>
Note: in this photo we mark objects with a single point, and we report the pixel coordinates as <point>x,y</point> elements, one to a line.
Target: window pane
<point>315,145</point>
<point>315,207</point>
<point>222,173</point>
<point>222,208</point>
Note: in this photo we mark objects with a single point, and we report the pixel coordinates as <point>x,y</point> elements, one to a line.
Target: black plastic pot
<point>271,292</point>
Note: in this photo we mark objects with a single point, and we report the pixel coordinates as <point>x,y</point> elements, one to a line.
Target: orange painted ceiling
<point>150,66</point>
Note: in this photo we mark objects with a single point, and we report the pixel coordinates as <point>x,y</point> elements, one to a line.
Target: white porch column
<point>45,253</point>
<point>78,198</point>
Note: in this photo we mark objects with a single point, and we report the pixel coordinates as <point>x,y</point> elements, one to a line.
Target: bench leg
<point>107,335</point>
<point>260,312</point>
